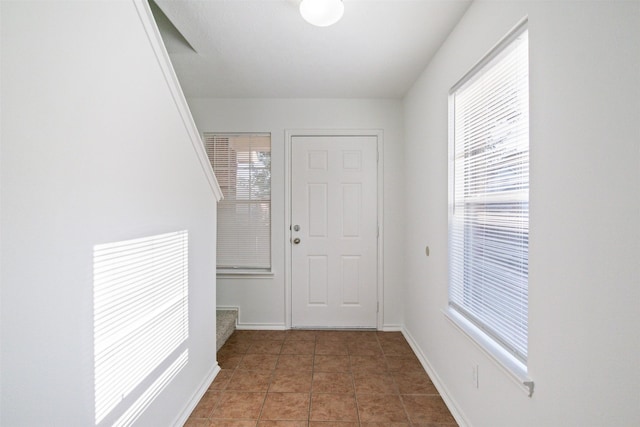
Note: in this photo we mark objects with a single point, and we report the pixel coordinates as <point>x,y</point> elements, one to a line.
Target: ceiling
<point>264,49</point>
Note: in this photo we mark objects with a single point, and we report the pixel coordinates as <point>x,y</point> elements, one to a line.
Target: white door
<point>334,231</point>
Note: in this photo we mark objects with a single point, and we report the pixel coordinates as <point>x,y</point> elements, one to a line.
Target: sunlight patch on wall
<point>143,402</point>
<point>140,315</point>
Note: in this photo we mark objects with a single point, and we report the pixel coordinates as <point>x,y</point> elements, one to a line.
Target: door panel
<point>334,204</point>
<point>318,280</point>
<point>318,209</point>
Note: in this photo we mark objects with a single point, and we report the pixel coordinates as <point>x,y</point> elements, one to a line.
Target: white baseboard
<point>282,327</point>
<point>204,386</point>
<point>261,326</point>
<point>451,404</point>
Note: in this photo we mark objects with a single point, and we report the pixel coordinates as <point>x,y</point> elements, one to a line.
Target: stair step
<point>225,325</point>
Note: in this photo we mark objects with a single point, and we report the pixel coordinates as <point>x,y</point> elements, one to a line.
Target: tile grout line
<point>313,372</point>
<point>266,394</point>
<point>355,391</point>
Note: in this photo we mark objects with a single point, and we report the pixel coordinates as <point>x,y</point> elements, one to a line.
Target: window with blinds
<point>242,164</point>
<point>489,195</point>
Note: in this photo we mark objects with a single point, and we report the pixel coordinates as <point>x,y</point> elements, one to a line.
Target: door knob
<point>296,240</point>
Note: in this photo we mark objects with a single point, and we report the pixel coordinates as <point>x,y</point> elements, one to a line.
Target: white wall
<point>262,301</point>
<point>584,344</point>
<point>93,151</point>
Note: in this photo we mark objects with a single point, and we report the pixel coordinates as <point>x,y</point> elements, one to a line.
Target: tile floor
<point>320,379</point>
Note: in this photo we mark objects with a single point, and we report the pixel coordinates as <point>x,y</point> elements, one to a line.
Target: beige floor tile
<point>375,383</point>
<point>332,382</point>
<point>414,382</point>
<point>206,405</point>
<point>295,362</point>
<point>265,347</point>
<point>367,364</point>
<point>298,347</point>
<point>396,349</point>
<point>371,336</point>
<point>258,362</point>
<point>239,405</point>
<point>291,382</point>
<point>390,336</point>
<point>357,348</point>
<point>333,407</point>
<point>280,423</point>
<point>335,348</point>
<point>385,424</point>
<point>328,363</point>
<point>271,335</point>
<point>403,363</point>
<point>332,424</point>
<point>427,409</point>
<point>221,380</point>
<point>286,406</point>
<point>297,335</point>
<point>237,347</point>
<point>255,381</point>
<point>328,335</point>
<point>233,423</point>
<point>381,408</point>
<point>229,360</point>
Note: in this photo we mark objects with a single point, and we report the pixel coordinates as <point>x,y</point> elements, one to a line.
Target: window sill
<point>515,369</point>
<point>244,274</point>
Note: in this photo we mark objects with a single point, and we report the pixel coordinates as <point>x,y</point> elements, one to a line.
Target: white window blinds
<point>489,212</point>
<point>242,164</point>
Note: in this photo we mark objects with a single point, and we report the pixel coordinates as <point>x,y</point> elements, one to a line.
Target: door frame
<point>289,135</point>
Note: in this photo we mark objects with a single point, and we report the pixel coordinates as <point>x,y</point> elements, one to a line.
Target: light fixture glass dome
<point>322,13</point>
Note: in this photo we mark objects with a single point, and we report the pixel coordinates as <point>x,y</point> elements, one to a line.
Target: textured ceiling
<point>264,49</point>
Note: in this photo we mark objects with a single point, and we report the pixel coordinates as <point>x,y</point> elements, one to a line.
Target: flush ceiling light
<point>322,13</point>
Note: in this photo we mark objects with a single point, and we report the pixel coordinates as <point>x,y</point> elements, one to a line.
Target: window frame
<point>500,353</point>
